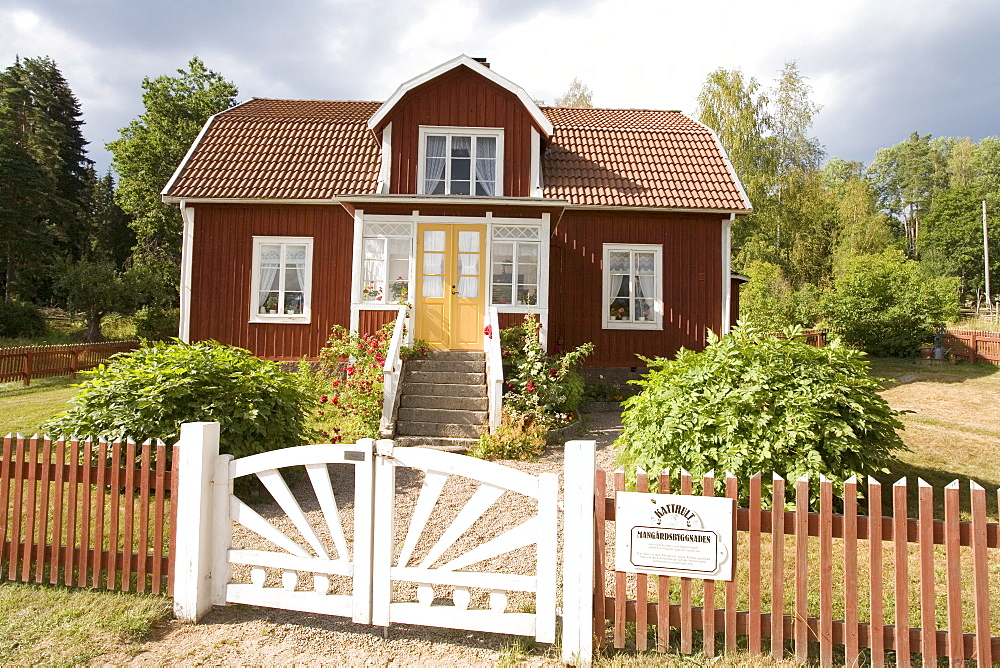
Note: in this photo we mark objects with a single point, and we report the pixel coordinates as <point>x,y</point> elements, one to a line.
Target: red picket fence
<point>973,345</point>
<point>27,362</point>
<point>86,514</point>
<point>848,611</point>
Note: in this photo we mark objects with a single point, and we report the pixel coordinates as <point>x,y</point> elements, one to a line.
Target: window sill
<point>280,319</point>
<point>651,326</point>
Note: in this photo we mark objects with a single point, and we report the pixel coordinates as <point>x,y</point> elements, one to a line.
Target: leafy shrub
<point>751,403</point>
<point>149,392</point>
<point>886,306</point>
<point>519,436</point>
<point>20,320</point>
<point>547,386</point>
<point>347,387</point>
<point>155,323</point>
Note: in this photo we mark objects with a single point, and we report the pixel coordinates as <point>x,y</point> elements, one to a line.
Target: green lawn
<point>58,626</point>
<point>25,409</point>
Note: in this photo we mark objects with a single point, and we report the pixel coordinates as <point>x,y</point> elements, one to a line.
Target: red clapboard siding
<point>692,282</point>
<point>369,322</point>
<point>221,274</point>
<point>461,98</point>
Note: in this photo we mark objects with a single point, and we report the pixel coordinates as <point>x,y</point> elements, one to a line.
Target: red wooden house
<point>456,195</point>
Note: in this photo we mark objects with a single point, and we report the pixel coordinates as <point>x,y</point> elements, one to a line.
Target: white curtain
<point>486,165</point>
<point>434,167</point>
<point>270,265</point>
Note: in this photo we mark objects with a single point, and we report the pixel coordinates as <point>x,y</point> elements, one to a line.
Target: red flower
<point>324,399</point>
<point>335,383</point>
<point>553,372</point>
<point>349,370</point>
<point>320,413</point>
<point>530,386</point>
<point>335,400</point>
<point>488,331</point>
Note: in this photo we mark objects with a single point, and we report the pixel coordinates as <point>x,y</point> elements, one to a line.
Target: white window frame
<point>514,282</point>
<point>303,318</point>
<point>426,130</point>
<point>411,263</point>
<point>607,322</point>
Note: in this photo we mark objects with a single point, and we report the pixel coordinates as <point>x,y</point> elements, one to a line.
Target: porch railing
<point>494,366</point>
<point>391,373</point>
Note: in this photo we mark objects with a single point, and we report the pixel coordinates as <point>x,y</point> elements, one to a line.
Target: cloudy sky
<point>879,68</point>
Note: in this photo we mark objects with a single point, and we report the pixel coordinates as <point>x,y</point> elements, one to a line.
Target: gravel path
<point>244,635</point>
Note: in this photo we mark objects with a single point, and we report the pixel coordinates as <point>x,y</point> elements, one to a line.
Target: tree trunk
<point>94,326</point>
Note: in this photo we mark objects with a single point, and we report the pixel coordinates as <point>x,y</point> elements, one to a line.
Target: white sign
<point>674,534</point>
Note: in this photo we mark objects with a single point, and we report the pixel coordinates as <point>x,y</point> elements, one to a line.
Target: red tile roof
<point>636,157</point>
<point>284,149</point>
<point>314,149</point>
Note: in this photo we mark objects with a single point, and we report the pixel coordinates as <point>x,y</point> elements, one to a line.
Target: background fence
<point>27,362</point>
<point>924,589</point>
<point>972,345</point>
<point>86,514</point>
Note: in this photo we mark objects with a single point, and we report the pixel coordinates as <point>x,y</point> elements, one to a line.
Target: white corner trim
<point>729,166</point>
<point>727,227</point>
<point>356,262</point>
<point>544,123</point>
<point>535,178</point>
<point>194,145</point>
<point>187,250</point>
<point>385,168</point>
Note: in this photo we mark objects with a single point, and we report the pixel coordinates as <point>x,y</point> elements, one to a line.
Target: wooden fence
<point>796,599</point>
<point>27,362</point>
<point>972,345</point>
<point>86,514</point>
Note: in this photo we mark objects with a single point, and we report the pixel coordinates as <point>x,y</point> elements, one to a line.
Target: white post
<point>578,553</point>
<point>986,259</point>
<point>198,452</point>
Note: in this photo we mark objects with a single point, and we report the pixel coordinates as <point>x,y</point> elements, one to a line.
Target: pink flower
<point>324,399</point>
<point>530,386</point>
<point>488,331</point>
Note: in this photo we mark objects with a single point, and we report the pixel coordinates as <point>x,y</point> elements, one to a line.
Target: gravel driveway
<point>244,635</point>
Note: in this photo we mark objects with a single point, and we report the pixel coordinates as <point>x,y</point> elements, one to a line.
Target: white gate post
<point>578,553</point>
<point>198,452</point>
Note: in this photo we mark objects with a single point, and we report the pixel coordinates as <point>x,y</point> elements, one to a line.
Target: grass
<point>26,409</point>
<point>59,626</point>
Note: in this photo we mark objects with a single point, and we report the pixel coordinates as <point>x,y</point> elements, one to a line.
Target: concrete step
<point>432,389</point>
<point>457,355</point>
<point>404,428</point>
<point>449,377</point>
<point>461,366</point>
<point>459,445</point>
<point>443,416</point>
<point>452,403</point>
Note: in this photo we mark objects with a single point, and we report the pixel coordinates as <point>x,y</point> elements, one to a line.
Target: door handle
<point>453,291</point>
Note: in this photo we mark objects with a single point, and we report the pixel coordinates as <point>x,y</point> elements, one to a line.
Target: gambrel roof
<point>316,150</point>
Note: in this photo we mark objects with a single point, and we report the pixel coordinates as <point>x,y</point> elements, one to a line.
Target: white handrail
<point>494,366</point>
<point>391,371</point>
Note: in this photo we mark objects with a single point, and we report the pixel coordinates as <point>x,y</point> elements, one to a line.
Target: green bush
<point>518,436</point>
<point>155,323</point>
<point>149,392</point>
<point>21,320</point>
<point>885,305</point>
<point>751,403</point>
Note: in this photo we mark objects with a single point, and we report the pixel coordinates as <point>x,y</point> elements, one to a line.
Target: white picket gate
<point>363,572</point>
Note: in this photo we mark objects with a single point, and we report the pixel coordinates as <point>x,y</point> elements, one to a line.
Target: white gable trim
<point>544,123</point>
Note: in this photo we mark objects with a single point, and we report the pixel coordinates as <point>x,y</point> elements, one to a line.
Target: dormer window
<point>461,161</point>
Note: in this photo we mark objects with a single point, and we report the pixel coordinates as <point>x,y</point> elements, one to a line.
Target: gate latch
<point>383,447</point>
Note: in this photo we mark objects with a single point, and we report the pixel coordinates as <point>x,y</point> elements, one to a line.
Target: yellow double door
<point>451,297</point>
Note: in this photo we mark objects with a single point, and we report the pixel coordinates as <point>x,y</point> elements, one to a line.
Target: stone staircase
<point>443,401</point>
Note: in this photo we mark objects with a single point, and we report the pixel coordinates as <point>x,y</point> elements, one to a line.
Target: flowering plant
<point>348,384</point>
<point>371,293</point>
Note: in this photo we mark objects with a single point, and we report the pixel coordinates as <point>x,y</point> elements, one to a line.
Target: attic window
<point>461,161</point>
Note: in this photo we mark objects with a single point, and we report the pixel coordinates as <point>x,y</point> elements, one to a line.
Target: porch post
<point>578,553</point>
<point>197,455</point>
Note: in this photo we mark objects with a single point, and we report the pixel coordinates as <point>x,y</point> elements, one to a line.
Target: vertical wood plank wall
<point>692,282</point>
<point>220,297</point>
<point>461,98</point>
<point>821,608</point>
<point>86,514</point>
